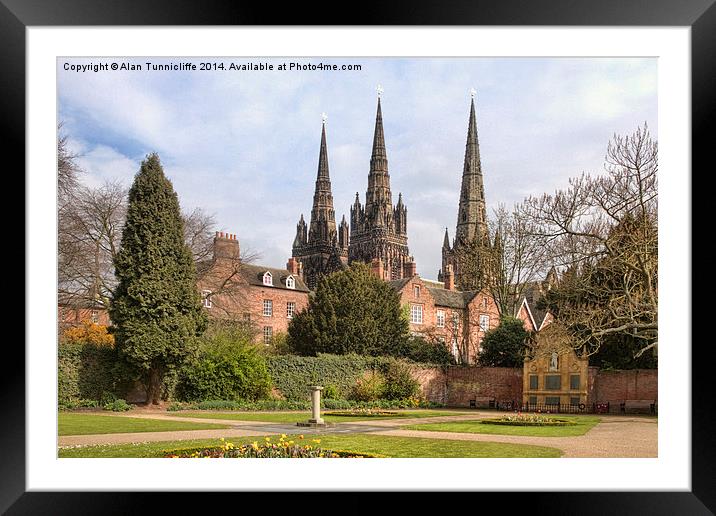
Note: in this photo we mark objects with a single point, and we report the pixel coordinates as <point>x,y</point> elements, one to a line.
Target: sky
<point>243,144</point>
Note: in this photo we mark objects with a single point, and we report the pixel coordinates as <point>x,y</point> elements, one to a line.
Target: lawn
<point>83,424</point>
<point>584,424</point>
<point>294,417</point>
<point>384,445</point>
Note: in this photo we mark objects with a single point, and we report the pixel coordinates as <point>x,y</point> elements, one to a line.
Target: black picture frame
<point>699,15</point>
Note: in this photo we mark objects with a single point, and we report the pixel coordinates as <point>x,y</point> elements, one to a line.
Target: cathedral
<point>320,248</point>
<point>471,233</point>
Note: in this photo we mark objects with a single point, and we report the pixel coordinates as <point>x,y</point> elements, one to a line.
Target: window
<point>416,314</point>
<point>484,322</point>
<point>416,290</point>
<point>93,316</point>
<point>574,381</point>
<point>533,400</point>
<point>290,282</point>
<point>207,299</point>
<point>551,400</point>
<point>455,320</point>
<point>552,382</point>
<point>268,279</point>
<point>441,319</point>
<point>268,334</point>
<point>574,401</point>
<point>268,308</point>
<point>290,309</point>
<point>534,382</point>
<point>247,316</point>
<point>484,303</point>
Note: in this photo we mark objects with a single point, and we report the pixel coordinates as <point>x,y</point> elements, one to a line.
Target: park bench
<point>638,407</point>
<point>482,402</point>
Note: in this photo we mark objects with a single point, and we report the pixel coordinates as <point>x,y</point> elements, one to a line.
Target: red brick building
<point>440,313</point>
<point>73,312</point>
<point>264,296</point>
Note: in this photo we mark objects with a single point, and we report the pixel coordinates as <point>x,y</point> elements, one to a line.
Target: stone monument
<point>316,419</point>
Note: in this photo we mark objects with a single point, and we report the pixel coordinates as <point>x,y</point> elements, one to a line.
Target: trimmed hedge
<point>85,373</point>
<point>301,405</point>
<point>293,375</point>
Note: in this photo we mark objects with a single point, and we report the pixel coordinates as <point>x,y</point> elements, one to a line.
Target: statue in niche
<point>554,361</point>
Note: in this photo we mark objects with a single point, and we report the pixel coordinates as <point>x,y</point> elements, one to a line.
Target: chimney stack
<point>449,277</point>
<point>226,246</point>
<point>410,268</point>
<point>292,265</point>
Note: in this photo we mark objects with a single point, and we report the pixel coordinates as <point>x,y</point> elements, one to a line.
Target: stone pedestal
<point>316,419</point>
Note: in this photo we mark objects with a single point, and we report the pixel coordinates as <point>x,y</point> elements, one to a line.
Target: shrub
<point>88,333</point>
<point>229,367</point>
<point>399,382</point>
<point>282,448</point>
<point>118,405</point>
<point>87,371</point>
<point>370,387</point>
<point>330,392</point>
<point>420,349</point>
<point>505,345</point>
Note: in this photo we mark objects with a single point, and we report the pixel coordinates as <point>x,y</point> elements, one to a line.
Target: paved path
<point>615,436</point>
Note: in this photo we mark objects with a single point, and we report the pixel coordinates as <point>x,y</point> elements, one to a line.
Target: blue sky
<point>243,145</point>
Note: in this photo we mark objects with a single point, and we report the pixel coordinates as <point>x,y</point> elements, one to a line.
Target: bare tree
<point>519,258</point>
<point>67,168</point>
<point>199,229</point>
<point>604,230</point>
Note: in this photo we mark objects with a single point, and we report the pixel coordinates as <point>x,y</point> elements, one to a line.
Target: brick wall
<point>617,386</point>
<point>433,383</point>
<point>482,384</point>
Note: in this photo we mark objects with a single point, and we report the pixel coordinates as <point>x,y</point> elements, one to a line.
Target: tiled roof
<point>254,275</point>
<point>451,298</point>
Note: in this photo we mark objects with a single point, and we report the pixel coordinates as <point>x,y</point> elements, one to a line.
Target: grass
<point>294,417</point>
<point>86,424</point>
<point>389,446</point>
<point>584,424</point>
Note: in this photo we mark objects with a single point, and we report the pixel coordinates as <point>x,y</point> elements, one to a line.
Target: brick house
<point>441,313</point>
<point>266,297</point>
<point>72,311</point>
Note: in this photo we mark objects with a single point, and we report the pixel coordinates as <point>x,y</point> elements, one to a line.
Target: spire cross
<point>379,90</point>
<point>473,92</point>
<point>324,117</point>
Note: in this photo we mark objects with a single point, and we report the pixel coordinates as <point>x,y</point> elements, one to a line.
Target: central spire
<point>323,155</point>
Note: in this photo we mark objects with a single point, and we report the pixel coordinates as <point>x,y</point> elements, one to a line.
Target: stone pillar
<point>316,405</point>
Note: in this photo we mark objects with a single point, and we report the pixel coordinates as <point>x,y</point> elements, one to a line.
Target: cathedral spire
<point>472,214</point>
<point>323,155</point>
<point>378,137</point>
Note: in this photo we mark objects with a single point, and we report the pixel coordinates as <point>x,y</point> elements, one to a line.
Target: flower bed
<point>528,420</point>
<point>362,412</point>
<point>283,448</point>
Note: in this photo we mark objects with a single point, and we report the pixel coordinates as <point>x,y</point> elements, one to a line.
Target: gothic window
<point>207,300</point>
<point>268,308</point>
<point>290,282</point>
<point>268,279</point>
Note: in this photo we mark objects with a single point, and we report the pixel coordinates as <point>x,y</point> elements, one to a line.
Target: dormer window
<point>290,282</point>
<point>268,279</point>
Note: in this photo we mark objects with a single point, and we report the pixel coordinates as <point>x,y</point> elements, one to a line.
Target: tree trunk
<point>154,387</point>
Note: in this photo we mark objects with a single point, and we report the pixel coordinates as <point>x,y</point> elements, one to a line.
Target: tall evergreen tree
<point>156,308</point>
<point>353,311</point>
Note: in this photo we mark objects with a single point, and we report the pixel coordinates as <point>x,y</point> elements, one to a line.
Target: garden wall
<point>615,387</point>
<point>482,384</point>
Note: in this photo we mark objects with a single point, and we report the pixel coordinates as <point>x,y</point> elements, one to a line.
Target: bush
<point>370,387</point>
<point>330,392</point>
<point>505,345</point>
<point>420,349</point>
<point>302,405</point>
<point>229,367</point>
<point>88,333</point>
<point>118,405</point>
<point>87,372</point>
<point>399,382</point>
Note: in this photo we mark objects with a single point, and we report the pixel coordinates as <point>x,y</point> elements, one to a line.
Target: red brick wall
<point>470,383</point>
<point>433,383</point>
<point>617,386</point>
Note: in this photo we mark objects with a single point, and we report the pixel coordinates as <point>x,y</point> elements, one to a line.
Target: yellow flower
<point>317,441</point>
<point>268,439</point>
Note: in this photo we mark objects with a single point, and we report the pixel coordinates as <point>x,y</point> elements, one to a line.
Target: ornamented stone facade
<point>378,231</point>
<point>320,248</point>
<point>472,214</point>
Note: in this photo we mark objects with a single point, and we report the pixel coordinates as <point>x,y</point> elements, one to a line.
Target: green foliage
<point>370,387</point>
<point>329,404</point>
<point>330,392</point>
<point>118,405</point>
<point>293,375</point>
<point>425,351</point>
<point>399,382</point>
<point>353,311</point>
<point>229,366</point>
<point>278,345</point>
<point>87,373</point>
<point>505,345</point>
<point>156,308</point>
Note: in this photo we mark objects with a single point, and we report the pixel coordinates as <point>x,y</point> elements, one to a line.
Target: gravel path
<point>614,436</point>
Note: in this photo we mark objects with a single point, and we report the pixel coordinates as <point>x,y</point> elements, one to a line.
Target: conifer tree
<point>353,311</point>
<point>156,308</point>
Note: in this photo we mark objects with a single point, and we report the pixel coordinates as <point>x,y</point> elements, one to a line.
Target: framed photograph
<point>419,147</point>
